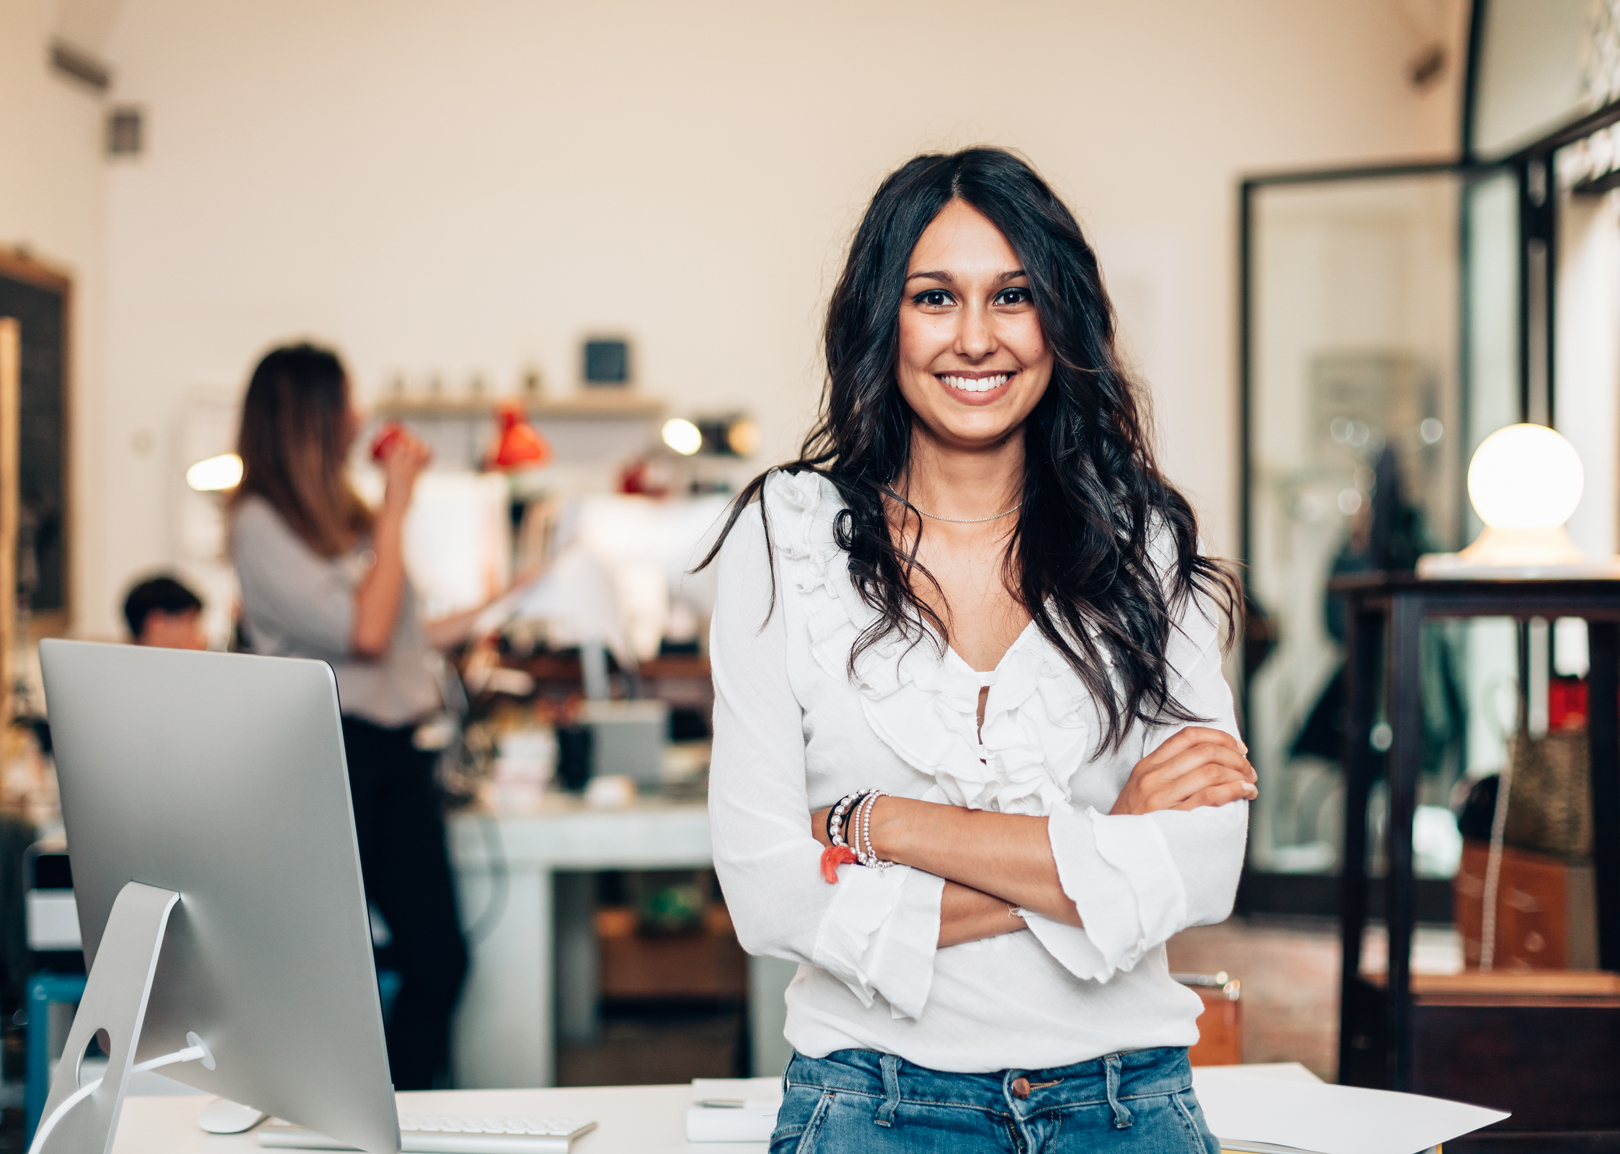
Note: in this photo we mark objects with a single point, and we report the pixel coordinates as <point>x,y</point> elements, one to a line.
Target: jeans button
<point>1020,1087</point>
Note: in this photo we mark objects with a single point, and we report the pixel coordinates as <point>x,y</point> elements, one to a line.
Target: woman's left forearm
<point>1008,855</point>
<point>456,628</point>
<point>449,632</point>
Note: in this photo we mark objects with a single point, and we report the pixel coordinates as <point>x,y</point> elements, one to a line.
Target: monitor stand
<point>112,1009</point>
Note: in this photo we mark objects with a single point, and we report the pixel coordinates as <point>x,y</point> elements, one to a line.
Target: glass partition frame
<point>1402,378</point>
<point>1527,178</point>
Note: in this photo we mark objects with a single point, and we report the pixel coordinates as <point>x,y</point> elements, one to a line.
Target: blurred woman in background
<point>323,576</point>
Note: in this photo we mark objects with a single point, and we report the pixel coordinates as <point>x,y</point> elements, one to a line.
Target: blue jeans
<point>863,1102</point>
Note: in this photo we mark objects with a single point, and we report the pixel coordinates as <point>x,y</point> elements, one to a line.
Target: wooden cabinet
<point>1546,914</point>
<point>1549,1053</point>
<point>1543,1044</point>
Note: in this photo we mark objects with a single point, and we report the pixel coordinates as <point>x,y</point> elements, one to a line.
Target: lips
<point>975,384</point>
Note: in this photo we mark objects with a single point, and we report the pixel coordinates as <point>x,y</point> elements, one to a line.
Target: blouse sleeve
<point>287,589</point>
<point>1137,879</point>
<point>876,930</point>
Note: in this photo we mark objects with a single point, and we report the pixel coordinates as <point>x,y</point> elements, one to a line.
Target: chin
<point>976,434</point>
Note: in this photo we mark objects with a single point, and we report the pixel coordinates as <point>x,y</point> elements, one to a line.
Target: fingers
<point>408,450</point>
<point>1219,795</point>
<point>1204,754</point>
<point>1190,736</point>
<point>405,460</point>
<point>1172,792</point>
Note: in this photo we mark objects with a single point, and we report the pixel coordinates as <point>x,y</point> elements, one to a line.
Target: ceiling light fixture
<point>213,474</point>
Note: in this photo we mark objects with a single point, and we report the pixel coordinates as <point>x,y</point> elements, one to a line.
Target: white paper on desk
<point>1326,1119</point>
<point>753,1122</point>
<point>1287,1071</point>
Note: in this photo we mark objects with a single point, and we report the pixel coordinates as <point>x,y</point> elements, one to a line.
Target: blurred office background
<point>627,216</point>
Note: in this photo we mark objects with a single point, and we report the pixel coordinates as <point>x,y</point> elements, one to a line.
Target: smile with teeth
<point>976,384</point>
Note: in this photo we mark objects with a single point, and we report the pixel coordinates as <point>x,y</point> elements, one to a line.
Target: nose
<point>975,332</point>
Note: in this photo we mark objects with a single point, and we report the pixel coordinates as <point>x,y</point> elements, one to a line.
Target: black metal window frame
<point>1532,169</point>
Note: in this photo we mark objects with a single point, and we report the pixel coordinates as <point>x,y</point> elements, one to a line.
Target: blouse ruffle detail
<point>922,706</point>
<point>878,936</point>
<point>1122,877</point>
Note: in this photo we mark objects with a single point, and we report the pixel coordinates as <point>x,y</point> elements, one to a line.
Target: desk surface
<point>630,1120</point>
<point>559,831</point>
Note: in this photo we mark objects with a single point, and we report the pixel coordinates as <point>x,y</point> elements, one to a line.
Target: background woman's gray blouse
<point>299,604</point>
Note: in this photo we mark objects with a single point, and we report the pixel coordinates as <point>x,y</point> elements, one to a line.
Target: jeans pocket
<point>1192,1115</point>
<point>799,1120</point>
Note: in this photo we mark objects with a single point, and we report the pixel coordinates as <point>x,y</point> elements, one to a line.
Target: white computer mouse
<point>222,1116</point>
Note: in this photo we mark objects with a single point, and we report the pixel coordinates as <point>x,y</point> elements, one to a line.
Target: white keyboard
<point>440,1134</point>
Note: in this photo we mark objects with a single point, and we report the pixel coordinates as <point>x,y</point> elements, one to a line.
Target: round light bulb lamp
<point>682,436</point>
<point>1524,482</point>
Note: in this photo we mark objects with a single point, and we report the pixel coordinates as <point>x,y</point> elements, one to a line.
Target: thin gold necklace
<point>953,520</point>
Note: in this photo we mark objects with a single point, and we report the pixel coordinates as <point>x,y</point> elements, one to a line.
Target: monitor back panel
<point>222,776</point>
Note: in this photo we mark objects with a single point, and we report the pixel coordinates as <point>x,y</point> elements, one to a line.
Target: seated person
<point>163,612</point>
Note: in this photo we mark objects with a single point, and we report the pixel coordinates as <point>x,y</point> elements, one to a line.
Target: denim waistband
<point>1113,1078</point>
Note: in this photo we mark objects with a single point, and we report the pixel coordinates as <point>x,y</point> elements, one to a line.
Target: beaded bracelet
<point>852,816</point>
<point>863,831</point>
<point>837,816</point>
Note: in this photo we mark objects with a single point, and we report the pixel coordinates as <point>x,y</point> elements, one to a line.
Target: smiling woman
<point>974,759</point>
<point>969,324</point>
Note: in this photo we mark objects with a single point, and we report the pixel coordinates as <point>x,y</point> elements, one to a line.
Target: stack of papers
<point>733,1109</point>
<point>1284,1109</point>
<point>1260,1109</point>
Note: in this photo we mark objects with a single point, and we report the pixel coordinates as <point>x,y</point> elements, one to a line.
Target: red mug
<point>387,437</point>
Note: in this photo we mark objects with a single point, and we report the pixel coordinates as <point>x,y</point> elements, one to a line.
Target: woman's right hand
<point>1197,766</point>
<point>403,461</point>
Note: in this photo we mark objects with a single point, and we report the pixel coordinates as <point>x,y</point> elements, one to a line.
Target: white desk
<point>630,1120</point>
<point>652,1119</point>
<point>505,1030</point>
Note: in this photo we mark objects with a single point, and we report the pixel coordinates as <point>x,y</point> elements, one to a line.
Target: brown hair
<point>292,445</point>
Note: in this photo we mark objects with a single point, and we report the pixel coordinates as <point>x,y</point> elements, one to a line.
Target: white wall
<point>1532,62</point>
<point>1588,362</point>
<point>467,188</point>
<point>53,204</point>
<point>1588,385</point>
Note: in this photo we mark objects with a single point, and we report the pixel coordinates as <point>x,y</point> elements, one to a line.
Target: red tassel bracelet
<point>831,858</point>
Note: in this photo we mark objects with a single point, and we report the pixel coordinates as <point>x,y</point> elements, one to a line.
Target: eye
<point>932,299</point>
<point>1013,296</point>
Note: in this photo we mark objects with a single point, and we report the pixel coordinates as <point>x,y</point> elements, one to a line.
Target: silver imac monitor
<point>219,778</point>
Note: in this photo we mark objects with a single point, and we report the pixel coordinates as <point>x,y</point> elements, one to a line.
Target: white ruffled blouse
<point>794,732</point>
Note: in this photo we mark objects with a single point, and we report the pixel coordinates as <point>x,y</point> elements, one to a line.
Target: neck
<point>963,483</point>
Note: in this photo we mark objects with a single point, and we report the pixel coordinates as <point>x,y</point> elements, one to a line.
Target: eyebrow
<point>945,277</point>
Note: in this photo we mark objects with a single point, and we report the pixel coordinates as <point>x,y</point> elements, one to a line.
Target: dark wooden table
<point>1385,619</point>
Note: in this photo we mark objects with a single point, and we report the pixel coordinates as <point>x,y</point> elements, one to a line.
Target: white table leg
<point>503,1028</point>
<point>577,958</point>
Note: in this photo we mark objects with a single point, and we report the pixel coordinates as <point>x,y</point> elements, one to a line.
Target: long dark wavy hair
<point>1086,559</point>
<point>293,442</point>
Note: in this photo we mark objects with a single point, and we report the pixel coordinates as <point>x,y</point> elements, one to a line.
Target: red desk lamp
<point>520,445</point>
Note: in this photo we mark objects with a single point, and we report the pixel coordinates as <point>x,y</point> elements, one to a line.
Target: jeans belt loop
<point>890,1064</point>
<point>1122,1116</point>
